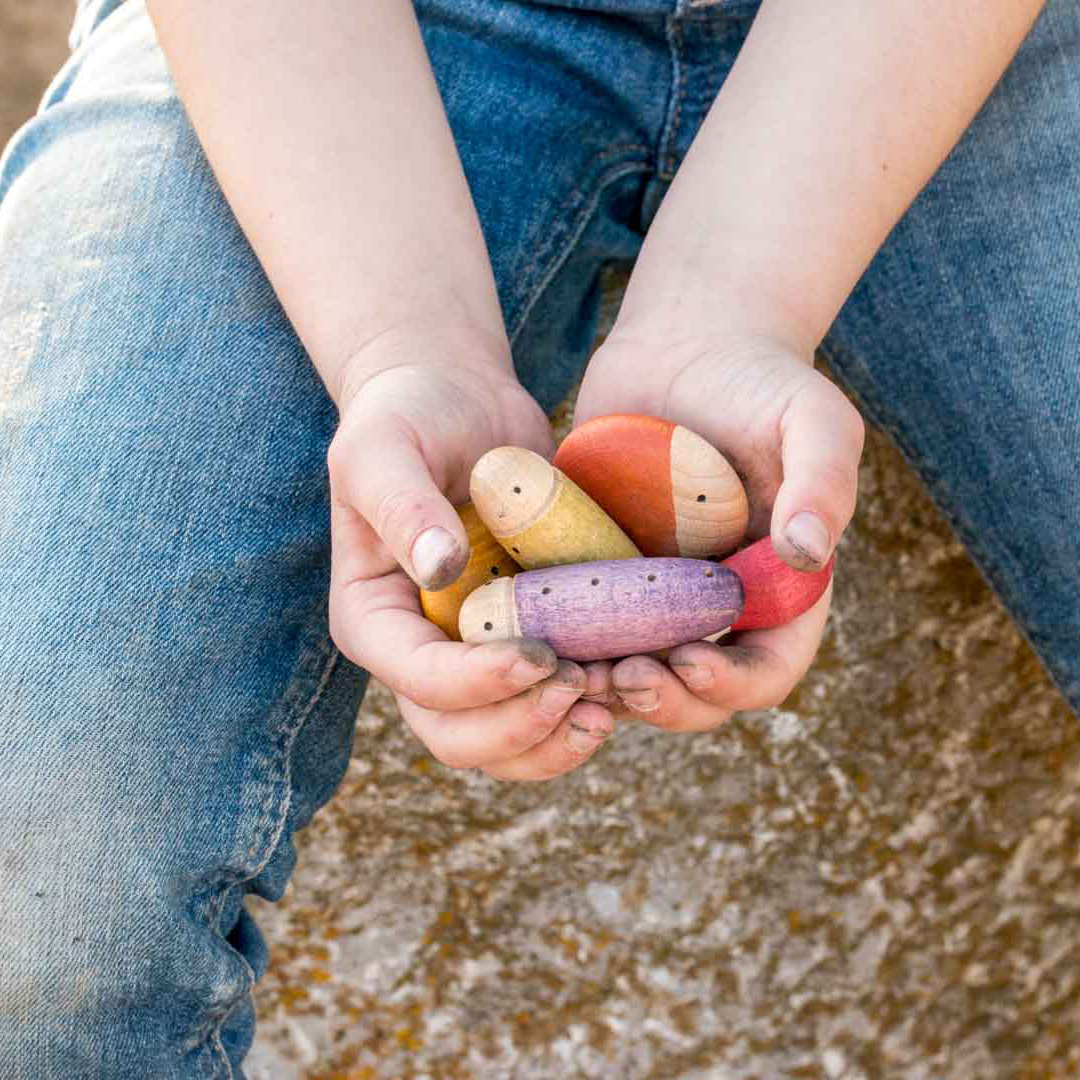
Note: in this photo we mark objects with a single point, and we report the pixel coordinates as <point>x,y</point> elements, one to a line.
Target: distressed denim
<point>172,709</point>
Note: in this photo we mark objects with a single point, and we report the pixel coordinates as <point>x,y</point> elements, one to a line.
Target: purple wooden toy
<point>603,610</point>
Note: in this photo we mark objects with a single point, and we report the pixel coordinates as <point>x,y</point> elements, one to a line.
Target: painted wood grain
<point>775,593</point>
<point>487,560</point>
<point>540,516</point>
<point>667,487</point>
<point>607,609</point>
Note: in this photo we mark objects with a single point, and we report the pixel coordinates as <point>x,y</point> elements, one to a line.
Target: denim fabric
<point>171,707</point>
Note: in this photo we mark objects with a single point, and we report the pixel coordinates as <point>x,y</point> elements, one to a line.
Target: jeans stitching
<point>559,255</point>
<point>665,159</point>
<point>282,740</point>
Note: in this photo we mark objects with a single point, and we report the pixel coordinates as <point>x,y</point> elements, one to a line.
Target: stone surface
<point>880,879</point>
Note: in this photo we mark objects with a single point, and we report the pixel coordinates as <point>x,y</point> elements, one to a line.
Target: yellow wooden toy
<point>487,560</point>
<point>539,515</point>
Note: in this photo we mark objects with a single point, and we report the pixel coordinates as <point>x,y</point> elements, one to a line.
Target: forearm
<point>326,132</point>
<point>835,115</point>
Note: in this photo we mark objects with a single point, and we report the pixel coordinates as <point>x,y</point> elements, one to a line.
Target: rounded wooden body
<point>487,560</point>
<point>775,594</point>
<point>670,490</point>
<point>541,517</point>
<point>604,610</point>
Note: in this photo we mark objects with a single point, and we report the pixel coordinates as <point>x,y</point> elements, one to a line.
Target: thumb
<point>388,482</point>
<point>821,443</point>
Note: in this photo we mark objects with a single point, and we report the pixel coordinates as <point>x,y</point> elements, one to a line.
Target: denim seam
<point>673,33</point>
<point>284,739</point>
<point>1000,582</point>
<point>585,213</point>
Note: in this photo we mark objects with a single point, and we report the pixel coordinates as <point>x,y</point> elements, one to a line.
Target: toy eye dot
<point>495,571</point>
<point>488,626</point>
<point>596,581</point>
<point>517,490</point>
<point>708,573</point>
<point>515,551</point>
<point>701,498</point>
<point>652,577</point>
<point>545,590</point>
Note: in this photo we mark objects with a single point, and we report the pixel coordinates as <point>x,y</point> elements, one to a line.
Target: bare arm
<point>835,115</point>
<point>325,129</point>
<point>326,132</point>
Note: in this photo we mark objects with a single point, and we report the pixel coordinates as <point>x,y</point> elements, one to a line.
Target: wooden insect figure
<point>541,517</point>
<point>775,594</point>
<point>603,610</point>
<point>670,490</point>
<point>487,560</point>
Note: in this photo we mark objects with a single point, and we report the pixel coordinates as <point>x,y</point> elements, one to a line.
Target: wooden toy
<point>487,560</point>
<point>671,491</point>
<point>775,594</point>
<point>602,610</point>
<point>540,516</point>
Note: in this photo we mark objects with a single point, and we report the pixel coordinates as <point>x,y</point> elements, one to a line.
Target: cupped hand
<point>416,413</point>
<point>795,441</point>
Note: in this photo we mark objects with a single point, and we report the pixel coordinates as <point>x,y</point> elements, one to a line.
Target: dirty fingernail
<point>525,673</point>
<point>581,740</point>
<point>806,533</point>
<point>698,678</point>
<point>555,700</point>
<point>647,700</point>
<point>436,558</point>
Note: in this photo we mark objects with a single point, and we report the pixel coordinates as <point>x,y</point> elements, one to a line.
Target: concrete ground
<point>880,879</point>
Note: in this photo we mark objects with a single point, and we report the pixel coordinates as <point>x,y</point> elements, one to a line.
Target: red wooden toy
<point>775,594</point>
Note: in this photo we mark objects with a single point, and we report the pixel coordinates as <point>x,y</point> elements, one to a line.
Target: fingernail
<point>435,557</point>
<point>647,700</point>
<point>806,533</point>
<point>525,673</point>
<point>699,678</point>
<point>581,740</point>
<point>555,700</point>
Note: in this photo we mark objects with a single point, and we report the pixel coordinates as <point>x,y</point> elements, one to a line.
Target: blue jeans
<point>172,709</point>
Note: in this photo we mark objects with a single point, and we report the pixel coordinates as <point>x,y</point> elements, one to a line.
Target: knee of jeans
<point>105,923</point>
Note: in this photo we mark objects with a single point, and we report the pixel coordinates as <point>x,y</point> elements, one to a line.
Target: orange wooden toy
<point>666,487</point>
<point>487,560</point>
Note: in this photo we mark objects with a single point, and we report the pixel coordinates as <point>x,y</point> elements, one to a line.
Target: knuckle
<point>396,513</point>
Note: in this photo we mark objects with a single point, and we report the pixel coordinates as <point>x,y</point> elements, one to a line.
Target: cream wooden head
<point>707,496</point>
<point>489,614</point>
<point>512,488</point>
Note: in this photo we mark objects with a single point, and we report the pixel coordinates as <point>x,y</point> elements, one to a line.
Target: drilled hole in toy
<point>495,571</point>
<point>652,577</point>
<point>701,498</point>
<point>596,581</point>
<point>545,590</point>
<point>708,573</point>
<point>515,551</point>
<point>517,490</point>
<point>488,626</point>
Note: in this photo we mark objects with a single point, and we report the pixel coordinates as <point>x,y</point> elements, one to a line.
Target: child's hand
<point>416,413</point>
<point>795,441</point>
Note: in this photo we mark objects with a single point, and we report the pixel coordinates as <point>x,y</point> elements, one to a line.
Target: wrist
<point>473,348</point>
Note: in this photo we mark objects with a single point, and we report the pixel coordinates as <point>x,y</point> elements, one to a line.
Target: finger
<point>598,683</point>
<point>385,478</point>
<point>378,625</point>
<point>470,738</point>
<point>580,734</point>
<point>703,684</point>
<point>822,440</point>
